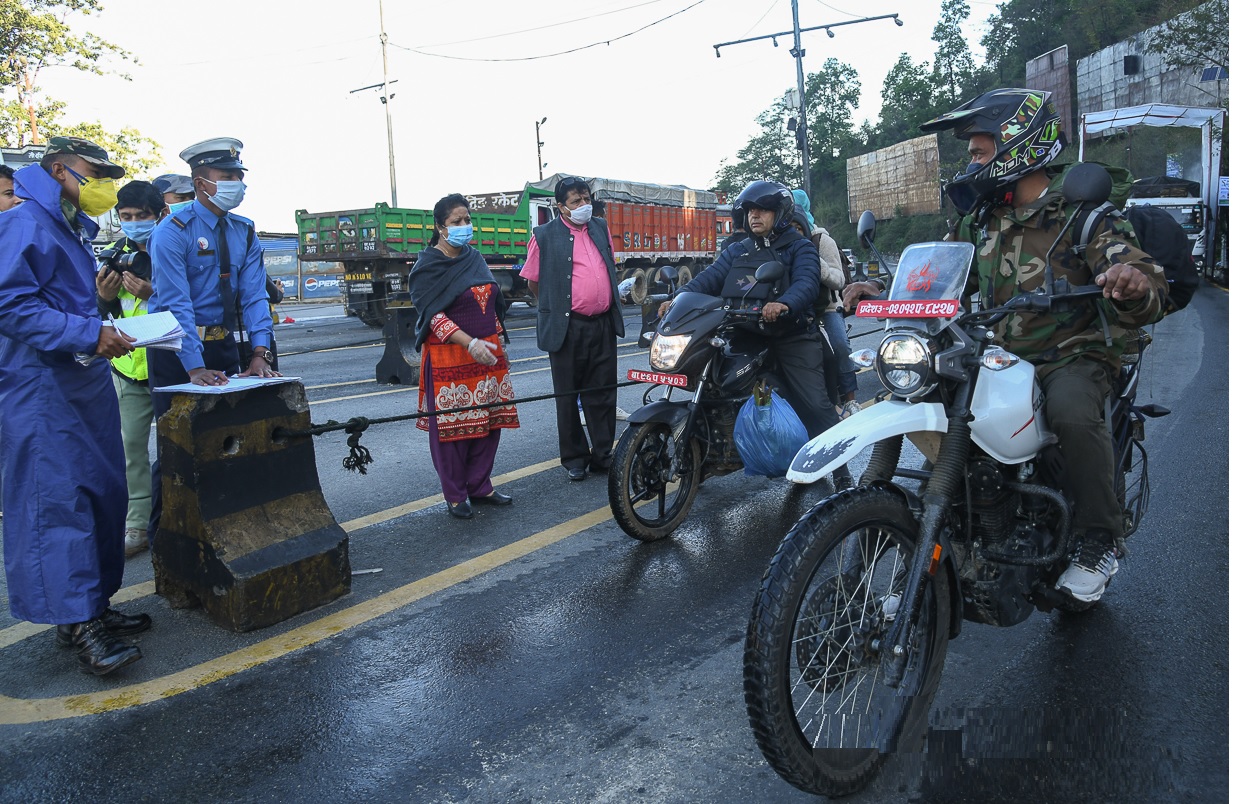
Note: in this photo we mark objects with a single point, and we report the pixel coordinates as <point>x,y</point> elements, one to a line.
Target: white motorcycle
<point>850,627</point>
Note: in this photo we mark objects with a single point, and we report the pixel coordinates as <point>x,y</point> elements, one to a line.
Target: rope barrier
<point>360,456</point>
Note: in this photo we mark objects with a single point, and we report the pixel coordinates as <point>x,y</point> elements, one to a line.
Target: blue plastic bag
<point>768,434</point>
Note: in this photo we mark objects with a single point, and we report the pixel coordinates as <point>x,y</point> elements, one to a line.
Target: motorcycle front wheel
<point>813,677</point>
<point>644,504</point>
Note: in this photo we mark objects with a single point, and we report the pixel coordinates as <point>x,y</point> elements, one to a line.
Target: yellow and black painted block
<point>400,363</point>
<point>245,530</point>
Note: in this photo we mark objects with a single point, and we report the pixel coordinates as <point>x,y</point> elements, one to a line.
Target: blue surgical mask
<point>179,206</point>
<point>459,236</point>
<point>138,231</point>
<point>228,194</point>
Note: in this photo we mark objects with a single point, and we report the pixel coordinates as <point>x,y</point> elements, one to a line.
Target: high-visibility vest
<point>133,365</point>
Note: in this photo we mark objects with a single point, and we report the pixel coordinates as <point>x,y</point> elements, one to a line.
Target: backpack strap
<point>1085,224</point>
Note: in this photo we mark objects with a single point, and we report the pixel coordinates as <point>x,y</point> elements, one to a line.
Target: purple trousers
<point>463,466</point>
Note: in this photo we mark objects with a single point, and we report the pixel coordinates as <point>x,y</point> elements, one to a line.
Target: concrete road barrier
<point>245,530</point>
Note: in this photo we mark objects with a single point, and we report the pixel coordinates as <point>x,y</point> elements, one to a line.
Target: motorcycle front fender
<point>661,410</point>
<point>832,449</point>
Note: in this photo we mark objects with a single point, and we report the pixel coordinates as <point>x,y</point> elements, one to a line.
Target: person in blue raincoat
<point>60,447</point>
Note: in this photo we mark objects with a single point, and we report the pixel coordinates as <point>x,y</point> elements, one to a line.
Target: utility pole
<point>540,165</point>
<point>802,130</point>
<point>798,53</point>
<point>385,99</point>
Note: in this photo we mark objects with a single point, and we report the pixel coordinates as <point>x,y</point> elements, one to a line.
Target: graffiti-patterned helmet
<point>1027,133</point>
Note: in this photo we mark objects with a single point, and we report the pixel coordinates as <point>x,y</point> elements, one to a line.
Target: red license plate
<point>677,380</point>
<point>907,308</point>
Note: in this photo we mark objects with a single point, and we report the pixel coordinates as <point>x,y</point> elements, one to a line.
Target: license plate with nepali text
<point>657,378</point>
<point>907,308</point>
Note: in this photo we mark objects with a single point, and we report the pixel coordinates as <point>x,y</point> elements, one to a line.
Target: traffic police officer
<point>207,269</point>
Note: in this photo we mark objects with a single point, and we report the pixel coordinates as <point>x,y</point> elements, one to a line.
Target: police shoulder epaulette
<point>178,222</point>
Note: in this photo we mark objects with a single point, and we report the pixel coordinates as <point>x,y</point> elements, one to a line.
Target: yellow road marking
<point>16,633</point>
<point>18,710</point>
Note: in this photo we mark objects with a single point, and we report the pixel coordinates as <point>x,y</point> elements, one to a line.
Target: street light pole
<point>540,165</point>
<point>385,99</point>
<point>798,53</point>
<point>802,130</point>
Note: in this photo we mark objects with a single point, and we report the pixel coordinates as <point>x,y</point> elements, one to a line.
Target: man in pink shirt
<point>570,268</point>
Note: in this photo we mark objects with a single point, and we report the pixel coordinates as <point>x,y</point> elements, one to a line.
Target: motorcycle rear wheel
<point>643,503</point>
<point>813,685</point>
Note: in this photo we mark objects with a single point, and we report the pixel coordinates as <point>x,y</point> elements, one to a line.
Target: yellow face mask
<point>97,196</point>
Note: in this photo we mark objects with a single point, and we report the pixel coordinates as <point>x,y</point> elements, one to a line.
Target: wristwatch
<point>267,354</point>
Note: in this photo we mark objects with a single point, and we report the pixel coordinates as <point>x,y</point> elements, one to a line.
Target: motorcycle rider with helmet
<point>788,326</point>
<point>1011,211</point>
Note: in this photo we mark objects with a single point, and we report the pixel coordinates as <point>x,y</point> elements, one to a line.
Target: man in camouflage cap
<point>1014,214</point>
<point>60,447</point>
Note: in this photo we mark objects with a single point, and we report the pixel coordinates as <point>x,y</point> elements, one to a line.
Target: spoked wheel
<point>820,709</point>
<point>645,504</point>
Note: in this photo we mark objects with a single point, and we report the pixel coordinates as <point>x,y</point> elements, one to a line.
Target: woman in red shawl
<point>463,362</point>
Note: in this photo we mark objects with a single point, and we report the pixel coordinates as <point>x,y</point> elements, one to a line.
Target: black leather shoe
<point>577,473</point>
<point>100,652</point>
<point>494,498</point>
<point>118,624</point>
<point>461,510</point>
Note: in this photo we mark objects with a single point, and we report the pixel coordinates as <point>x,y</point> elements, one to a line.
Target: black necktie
<point>228,300</point>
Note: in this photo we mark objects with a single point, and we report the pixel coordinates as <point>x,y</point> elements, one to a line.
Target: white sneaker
<point>135,541</point>
<point>1093,566</point>
<point>620,414</point>
<point>850,407</point>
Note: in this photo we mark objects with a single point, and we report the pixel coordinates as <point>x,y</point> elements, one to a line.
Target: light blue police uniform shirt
<point>185,279</point>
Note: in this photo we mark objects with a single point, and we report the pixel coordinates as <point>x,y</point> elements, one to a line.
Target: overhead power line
<point>559,53</point>
<point>541,27</point>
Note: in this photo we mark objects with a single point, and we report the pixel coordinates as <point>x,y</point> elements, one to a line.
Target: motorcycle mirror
<point>865,229</point>
<point>668,274</point>
<point>1087,183</point>
<point>770,271</point>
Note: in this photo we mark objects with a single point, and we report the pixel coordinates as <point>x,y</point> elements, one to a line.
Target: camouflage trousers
<point>1075,396</point>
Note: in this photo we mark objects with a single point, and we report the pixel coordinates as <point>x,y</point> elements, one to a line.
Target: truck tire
<point>685,276</point>
<point>640,290</point>
<point>373,314</point>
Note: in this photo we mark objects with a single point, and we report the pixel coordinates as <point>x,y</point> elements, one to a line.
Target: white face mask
<point>580,215</point>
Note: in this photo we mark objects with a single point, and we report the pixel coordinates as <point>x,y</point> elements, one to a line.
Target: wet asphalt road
<point>535,653</point>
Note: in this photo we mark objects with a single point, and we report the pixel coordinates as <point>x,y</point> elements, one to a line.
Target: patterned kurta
<point>457,380</point>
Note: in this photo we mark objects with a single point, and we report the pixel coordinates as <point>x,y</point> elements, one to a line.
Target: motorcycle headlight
<point>904,365</point>
<point>666,350</point>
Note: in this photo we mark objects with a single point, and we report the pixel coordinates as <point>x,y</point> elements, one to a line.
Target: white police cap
<point>220,152</point>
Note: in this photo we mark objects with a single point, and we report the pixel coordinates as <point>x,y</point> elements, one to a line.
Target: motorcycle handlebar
<point>1038,302</point>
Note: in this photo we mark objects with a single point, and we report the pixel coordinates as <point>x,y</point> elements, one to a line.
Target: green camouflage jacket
<point>1012,245</point>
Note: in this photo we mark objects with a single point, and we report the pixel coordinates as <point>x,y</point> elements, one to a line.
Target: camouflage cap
<point>174,183</point>
<point>87,151</point>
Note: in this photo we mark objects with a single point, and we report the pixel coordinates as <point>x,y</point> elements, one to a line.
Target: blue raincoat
<point>60,445</point>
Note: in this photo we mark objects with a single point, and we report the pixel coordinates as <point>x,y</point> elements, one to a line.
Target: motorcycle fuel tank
<point>1008,421</point>
<point>737,370</point>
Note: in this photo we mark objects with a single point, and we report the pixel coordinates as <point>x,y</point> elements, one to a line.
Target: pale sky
<point>656,106</point>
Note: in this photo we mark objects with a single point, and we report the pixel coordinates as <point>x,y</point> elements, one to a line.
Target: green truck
<point>651,225</point>
<point>377,246</point>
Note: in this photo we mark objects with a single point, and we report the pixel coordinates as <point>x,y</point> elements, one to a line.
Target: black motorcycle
<point>671,445</point>
<point>850,626</point>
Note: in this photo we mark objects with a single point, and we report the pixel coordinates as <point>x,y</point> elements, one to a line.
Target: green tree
<point>953,63</point>
<point>770,155</point>
<point>35,34</point>
<point>139,155</point>
<point>1197,39</point>
<point>832,95</point>
<point>908,101</point>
